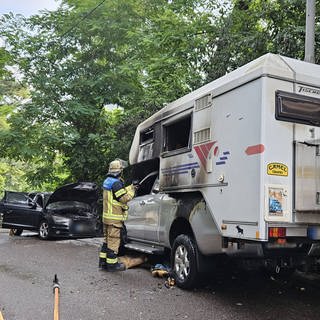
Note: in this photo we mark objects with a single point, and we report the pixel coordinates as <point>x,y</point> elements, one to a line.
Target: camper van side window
<point>177,135</point>
<point>297,108</point>
<point>147,136</point>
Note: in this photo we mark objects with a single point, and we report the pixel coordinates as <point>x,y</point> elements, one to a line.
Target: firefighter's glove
<point>130,190</point>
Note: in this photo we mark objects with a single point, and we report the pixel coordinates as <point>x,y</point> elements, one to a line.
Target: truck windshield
<point>297,108</point>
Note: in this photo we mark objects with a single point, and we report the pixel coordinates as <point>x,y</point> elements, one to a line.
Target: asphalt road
<point>28,266</point>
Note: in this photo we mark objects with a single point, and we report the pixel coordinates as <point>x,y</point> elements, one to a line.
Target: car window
<point>146,184</point>
<point>16,197</point>
<point>39,201</point>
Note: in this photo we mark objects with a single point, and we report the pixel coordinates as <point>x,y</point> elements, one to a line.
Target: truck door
<point>143,219</point>
<point>307,181</point>
<point>149,207</point>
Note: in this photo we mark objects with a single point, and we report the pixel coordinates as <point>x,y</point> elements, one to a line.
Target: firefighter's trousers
<point>112,234</point>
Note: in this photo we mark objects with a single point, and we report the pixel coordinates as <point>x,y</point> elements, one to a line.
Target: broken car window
<point>146,184</point>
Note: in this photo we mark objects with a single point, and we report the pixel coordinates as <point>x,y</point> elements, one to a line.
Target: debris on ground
<point>170,282</point>
<point>163,271</point>
<point>160,270</point>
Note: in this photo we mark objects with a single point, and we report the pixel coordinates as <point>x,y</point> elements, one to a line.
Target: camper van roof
<point>271,65</point>
<point>266,65</point>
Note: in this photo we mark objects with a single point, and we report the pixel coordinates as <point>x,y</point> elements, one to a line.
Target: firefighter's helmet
<point>116,166</point>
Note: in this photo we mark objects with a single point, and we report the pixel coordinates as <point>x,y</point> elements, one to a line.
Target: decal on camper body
<point>180,169</point>
<point>251,150</point>
<point>203,151</point>
<point>223,158</point>
<point>277,169</point>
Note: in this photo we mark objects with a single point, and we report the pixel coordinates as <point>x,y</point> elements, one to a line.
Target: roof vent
<point>201,136</point>
<point>203,102</point>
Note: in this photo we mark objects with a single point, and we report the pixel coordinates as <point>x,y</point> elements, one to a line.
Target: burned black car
<point>70,211</point>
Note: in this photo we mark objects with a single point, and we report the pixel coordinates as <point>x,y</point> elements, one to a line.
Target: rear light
<point>277,232</point>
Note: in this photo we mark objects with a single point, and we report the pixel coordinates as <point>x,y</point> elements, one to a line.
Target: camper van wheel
<point>184,261</point>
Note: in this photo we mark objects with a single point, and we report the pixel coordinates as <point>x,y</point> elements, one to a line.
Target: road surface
<point>28,266</point>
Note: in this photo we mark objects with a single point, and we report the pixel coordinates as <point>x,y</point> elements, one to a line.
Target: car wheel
<point>16,232</point>
<point>44,230</point>
<point>184,262</point>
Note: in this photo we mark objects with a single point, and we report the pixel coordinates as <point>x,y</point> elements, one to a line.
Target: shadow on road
<point>268,297</point>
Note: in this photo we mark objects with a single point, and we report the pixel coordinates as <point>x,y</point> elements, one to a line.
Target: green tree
<point>11,172</point>
<point>90,56</point>
<point>255,27</point>
<point>79,60</point>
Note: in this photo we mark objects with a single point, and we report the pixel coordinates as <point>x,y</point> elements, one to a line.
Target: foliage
<point>255,27</point>
<point>76,63</point>
<point>12,176</point>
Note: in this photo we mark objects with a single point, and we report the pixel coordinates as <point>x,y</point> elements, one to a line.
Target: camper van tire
<point>184,261</point>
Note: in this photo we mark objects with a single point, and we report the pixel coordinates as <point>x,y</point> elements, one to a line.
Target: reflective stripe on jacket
<point>115,198</point>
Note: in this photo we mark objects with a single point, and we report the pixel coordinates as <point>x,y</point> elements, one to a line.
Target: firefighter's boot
<point>112,262</point>
<point>103,257</point>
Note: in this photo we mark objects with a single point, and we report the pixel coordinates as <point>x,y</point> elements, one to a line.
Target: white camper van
<point>232,168</point>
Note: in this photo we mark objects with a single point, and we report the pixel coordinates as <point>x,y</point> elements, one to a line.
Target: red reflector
<point>277,232</point>
<point>281,241</point>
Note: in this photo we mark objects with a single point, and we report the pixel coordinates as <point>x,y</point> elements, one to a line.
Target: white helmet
<point>116,166</point>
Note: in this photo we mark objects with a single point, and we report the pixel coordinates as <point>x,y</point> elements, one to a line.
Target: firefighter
<point>115,212</point>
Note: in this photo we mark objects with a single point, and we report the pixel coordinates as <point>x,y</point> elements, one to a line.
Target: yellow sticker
<point>277,169</point>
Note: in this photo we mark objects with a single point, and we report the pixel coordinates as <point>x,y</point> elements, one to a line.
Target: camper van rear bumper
<point>309,232</point>
<point>298,246</point>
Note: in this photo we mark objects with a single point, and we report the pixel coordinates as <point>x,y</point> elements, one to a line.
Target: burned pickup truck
<point>70,211</point>
<point>232,170</point>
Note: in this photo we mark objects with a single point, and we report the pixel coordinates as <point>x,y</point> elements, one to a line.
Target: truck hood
<point>86,192</point>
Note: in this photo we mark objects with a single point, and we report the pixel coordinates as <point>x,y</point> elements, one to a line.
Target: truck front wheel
<point>184,262</point>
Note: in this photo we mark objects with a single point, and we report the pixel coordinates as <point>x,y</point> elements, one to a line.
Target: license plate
<point>82,228</point>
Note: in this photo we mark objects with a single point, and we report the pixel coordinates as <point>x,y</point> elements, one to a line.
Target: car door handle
<point>142,203</point>
<point>9,211</point>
